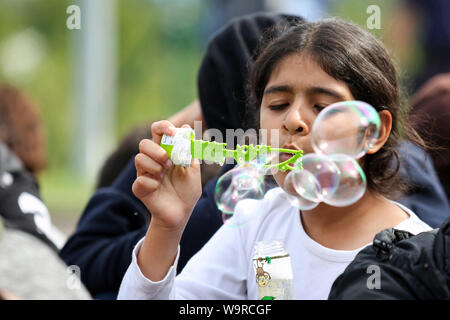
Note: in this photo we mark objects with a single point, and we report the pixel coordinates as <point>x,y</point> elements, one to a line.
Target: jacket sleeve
<point>359,280</point>
<point>397,268</point>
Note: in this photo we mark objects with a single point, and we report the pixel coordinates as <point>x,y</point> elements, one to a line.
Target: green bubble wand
<point>182,147</point>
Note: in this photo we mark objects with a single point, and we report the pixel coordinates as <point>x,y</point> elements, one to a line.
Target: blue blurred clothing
<point>436,25</point>
<point>434,37</point>
<point>427,197</point>
<point>114,220</point>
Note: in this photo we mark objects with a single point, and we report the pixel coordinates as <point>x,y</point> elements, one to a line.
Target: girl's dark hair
<point>350,54</point>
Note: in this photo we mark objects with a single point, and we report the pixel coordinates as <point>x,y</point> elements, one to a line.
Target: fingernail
<point>168,163</point>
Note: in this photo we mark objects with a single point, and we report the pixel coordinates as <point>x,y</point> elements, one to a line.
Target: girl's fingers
<point>160,128</point>
<point>146,165</point>
<point>154,151</point>
<point>143,186</point>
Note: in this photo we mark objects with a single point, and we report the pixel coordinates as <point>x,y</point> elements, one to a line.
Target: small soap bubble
<point>306,185</point>
<point>348,127</point>
<point>352,182</point>
<point>243,182</point>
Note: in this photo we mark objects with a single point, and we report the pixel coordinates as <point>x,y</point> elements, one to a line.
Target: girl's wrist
<point>171,230</point>
<point>158,252</point>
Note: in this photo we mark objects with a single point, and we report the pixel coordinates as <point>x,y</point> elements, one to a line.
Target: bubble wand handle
<point>182,147</point>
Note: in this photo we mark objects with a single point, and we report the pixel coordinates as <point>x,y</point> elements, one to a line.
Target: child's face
<point>297,90</point>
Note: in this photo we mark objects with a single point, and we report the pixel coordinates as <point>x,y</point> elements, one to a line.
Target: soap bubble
<point>260,162</point>
<point>243,182</point>
<point>325,174</point>
<point>348,127</point>
<point>306,185</point>
<point>352,182</point>
<point>292,194</point>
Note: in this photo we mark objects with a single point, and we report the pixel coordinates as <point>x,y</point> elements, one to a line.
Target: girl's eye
<point>318,108</point>
<point>278,106</point>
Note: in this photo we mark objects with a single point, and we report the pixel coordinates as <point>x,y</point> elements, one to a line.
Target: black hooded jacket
<point>407,267</point>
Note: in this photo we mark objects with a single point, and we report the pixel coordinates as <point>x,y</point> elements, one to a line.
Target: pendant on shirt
<point>262,277</point>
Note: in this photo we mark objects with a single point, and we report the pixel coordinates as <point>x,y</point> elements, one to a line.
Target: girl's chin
<point>279,177</point>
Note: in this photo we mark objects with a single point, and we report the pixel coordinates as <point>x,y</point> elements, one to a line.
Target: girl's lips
<point>285,156</point>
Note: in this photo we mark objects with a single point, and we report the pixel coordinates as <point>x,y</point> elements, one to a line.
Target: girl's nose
<point>294,123</point>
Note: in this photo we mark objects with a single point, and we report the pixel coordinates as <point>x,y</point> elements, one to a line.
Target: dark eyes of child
<point>318,108</point>
<point>278,106</point>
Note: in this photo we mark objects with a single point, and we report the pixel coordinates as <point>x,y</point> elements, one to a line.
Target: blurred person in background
<point>430,116</point>
<point>23,157</point>
<point>30,267</point>
<point>421,26</point>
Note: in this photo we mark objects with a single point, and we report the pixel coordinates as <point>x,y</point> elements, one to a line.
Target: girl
<point>297,73</point>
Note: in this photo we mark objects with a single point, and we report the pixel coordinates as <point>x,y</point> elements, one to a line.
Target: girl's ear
<point>385,130</point>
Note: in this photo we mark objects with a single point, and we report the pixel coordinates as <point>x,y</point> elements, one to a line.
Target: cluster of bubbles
<point>342,133</point>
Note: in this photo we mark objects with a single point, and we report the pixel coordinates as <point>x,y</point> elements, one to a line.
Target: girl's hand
<point>169,192</point>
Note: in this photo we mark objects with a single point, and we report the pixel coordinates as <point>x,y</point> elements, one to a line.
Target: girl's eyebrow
<point>309,91</point>
<point>327,91</point>
<point>276,89</point>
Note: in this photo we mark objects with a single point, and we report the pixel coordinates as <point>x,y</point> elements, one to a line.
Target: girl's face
<point>297,90</point>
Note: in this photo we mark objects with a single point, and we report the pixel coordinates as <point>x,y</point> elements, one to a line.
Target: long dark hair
<point>350,54</point>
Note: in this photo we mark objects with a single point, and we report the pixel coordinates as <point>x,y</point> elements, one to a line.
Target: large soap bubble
<point>325,173</point>
<point>352,182</point>
<point>348,127</point>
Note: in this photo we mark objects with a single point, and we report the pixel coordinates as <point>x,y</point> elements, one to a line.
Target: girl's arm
<point>170,193</point>
<point>218,271</point>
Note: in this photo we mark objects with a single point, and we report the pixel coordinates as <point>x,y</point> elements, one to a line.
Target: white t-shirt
<point>224,268</point>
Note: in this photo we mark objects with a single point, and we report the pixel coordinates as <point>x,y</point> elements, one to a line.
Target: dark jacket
<point>408,267</point>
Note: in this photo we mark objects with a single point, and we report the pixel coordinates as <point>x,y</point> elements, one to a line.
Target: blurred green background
<point>157,64</point>
<point>159,50</point>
